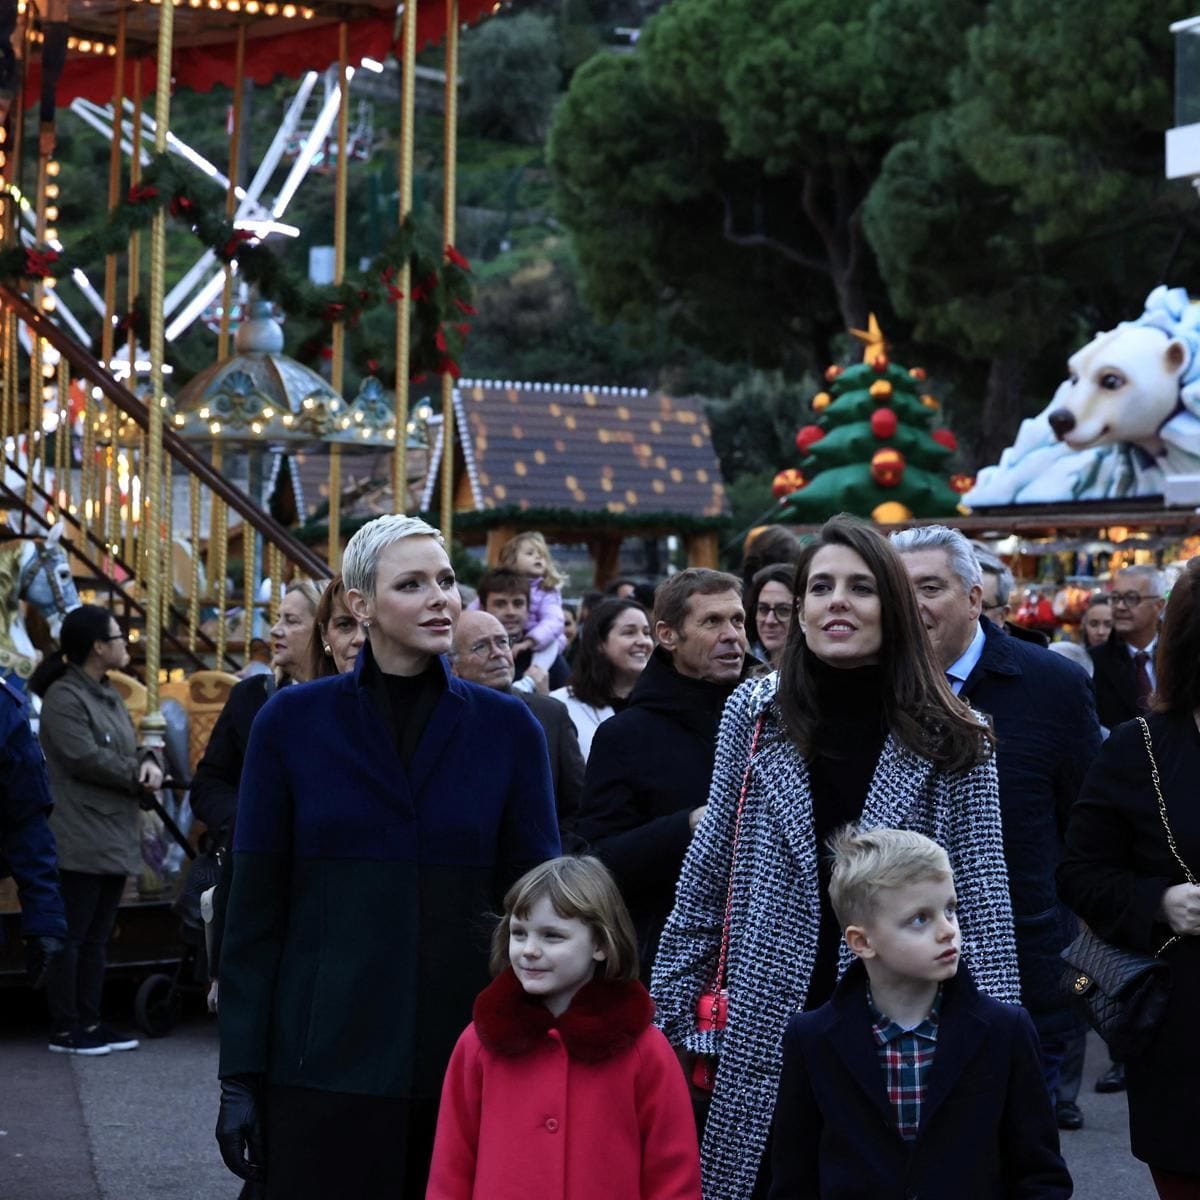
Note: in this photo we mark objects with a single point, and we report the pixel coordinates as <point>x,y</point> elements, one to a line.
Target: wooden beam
<point>703,550</point>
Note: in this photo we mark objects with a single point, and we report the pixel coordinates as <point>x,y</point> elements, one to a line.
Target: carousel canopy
<point>285,39</point>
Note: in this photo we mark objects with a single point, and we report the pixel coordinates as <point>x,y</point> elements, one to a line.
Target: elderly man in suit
<point>1042,711</point>
<point>1125,674</point>
<point>482,653</point>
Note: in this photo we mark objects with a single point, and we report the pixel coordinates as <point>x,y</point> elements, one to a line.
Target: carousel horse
<point>36,571</point>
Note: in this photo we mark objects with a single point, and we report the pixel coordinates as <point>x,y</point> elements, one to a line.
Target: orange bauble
<point>930,402</point>
<point>962,483</point>
<point>821,401</point>
<point>787,482</point>
<point>891,512</point>
<point>887,467</point>
<point>918,373</point>
<point>831,373</point>
<point>881,389</point>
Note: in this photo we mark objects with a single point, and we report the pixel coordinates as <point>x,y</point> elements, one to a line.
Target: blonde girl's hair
<point>867,862</point>
<point>576,887</point>
<point>553,577</point>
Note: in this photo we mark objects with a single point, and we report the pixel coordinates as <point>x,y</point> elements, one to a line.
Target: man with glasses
<point>482,653</point>
<point>1125,674</point>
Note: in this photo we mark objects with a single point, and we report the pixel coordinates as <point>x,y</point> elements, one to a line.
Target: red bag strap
<point>722,957</point>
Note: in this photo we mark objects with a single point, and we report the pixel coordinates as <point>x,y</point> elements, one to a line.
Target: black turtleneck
<point>406,702</point>
<point>848,742</point>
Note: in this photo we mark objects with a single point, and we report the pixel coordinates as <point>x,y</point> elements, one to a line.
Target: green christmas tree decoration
<point>871,446</point>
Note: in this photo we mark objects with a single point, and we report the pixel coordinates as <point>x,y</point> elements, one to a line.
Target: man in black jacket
<point>483,654</point>
<point>648,774</point>
<point>1125,674</point>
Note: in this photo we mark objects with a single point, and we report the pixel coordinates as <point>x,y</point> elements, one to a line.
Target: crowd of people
<point>784,863</point>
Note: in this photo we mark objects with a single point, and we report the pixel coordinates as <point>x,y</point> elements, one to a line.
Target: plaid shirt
<point>905,1056</point>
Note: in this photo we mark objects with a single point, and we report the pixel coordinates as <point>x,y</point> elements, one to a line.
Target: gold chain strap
<point>1162,813</point>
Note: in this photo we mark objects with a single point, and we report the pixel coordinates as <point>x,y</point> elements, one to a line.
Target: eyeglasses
<point>500,643</point>
<point>781,612</point>
<point>1129,599</point>
<point>991,608</point>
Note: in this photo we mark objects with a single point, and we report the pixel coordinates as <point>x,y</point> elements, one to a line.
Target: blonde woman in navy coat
<point>381,816</point>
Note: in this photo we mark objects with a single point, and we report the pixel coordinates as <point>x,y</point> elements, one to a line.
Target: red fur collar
<point>604,1019</point>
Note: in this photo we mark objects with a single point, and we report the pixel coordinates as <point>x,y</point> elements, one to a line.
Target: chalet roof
<point>542,446</point>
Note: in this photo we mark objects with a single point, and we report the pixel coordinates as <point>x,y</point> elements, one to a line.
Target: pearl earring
<point>327,648</point>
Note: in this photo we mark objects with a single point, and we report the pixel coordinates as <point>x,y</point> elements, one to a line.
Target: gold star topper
<point>874,344</point>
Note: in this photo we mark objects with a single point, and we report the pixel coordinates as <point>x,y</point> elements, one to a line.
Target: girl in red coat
<point>562,1088</point>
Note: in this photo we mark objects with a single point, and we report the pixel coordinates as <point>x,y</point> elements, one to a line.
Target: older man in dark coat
<point>1044,717</point>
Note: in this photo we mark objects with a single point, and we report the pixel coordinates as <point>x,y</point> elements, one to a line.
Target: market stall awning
<point>282,39</point>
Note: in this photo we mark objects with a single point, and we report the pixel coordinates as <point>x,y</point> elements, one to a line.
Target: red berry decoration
<point>880,363</point>
<point>787,482</point>
<point>887,467</point>
<point>808,435</point>
<point>831,373</point>
<point>944,437</point>
<point>919,374</point>
<point>884,423</point>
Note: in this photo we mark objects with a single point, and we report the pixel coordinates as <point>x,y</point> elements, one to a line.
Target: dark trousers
<point>74,986</point>
<point>1070,1076</point>
<point>326,1144</point>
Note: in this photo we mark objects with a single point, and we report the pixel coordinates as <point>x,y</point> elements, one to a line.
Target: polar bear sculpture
<point>1126,417</point>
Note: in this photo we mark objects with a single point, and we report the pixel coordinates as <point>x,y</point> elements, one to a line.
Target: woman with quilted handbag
<point>857,725</point>
<point>1133,843</point>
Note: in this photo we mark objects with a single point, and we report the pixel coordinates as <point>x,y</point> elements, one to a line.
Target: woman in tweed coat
<point>922,761</point>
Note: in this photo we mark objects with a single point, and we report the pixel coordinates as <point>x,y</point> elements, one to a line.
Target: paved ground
<point>138,1126</point>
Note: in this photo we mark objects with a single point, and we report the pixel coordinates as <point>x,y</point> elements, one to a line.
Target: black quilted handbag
<point>1124,993</point>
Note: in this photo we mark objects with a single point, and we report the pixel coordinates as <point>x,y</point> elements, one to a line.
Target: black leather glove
<point>239,1127</point>
<point>41,953</point>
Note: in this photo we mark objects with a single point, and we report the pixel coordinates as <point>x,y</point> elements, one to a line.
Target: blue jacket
<point>987,1130</point>
<point>358,923</point>
<point>27,850</point>
<point>1044,717</point>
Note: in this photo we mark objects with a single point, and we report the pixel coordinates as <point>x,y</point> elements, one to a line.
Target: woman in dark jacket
<point>97,778</point>
<point>382,815</point>
<point>1120,875</point>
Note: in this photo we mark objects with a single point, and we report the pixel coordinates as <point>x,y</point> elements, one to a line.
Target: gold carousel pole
<point>450,170</point>
<point>194,587</point>
<point>135,458</point>
<point>40,297</point>
<point>108,470</point>
<point>337,365</point>
<point>404,281</point>
<point>153,724</point>
<point>235,153</point>
<point>62,439</point>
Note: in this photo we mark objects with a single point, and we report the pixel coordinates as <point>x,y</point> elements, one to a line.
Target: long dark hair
<point>1177,658</point>
<point>81,629</point>
<point>921,711</point>
<point>783,573</point>
<point>593,676</point>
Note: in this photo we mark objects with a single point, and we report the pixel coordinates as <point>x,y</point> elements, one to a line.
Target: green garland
<point>440,291</point>
<point>315,529</point>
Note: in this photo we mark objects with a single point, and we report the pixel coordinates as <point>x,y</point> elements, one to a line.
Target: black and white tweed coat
<point>776,915</point>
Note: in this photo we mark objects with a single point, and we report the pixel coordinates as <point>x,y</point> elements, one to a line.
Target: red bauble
<point>962,483</point>
<point>831,373</point>
<point>880,363</point>
<point>807,436</point>
<point>919,374</point>
<point>883,423</point>
<point>887,467</point>
<point>944,437</point>
<point>787,482</point>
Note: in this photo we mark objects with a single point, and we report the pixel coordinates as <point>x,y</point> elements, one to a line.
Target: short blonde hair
<point>360,559</point>
<point>869,861</point>
<point>576,887</point>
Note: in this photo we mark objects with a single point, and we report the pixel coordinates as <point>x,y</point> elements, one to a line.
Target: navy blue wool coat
<point>987,1130</point>
<point>358,922</point>
<point>1044,717</point>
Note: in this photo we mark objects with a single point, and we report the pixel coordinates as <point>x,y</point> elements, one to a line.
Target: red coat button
<point>552,1124</point>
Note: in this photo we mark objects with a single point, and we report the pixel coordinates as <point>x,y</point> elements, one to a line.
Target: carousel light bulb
<point>52,212</point>
<point>268,412</point>
<point>308,402</point>
<point>252,7</point>
<point>85,47</point>
<point>53,167</point>
<point>289,11</point>
<point>233,6</point>
<point>49,283</point>
<point>51,190</point>
<point>215,427</point>
<point>51,235</point>
<point>203,414</point>
<point>271,9</point>
<point>47,370</point>
<point>49,304</point>
<point>255,427</point>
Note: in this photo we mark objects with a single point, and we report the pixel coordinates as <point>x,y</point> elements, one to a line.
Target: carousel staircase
<point>108,547</point>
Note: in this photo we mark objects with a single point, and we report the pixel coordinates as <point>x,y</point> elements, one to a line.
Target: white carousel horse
<point>34,570</point>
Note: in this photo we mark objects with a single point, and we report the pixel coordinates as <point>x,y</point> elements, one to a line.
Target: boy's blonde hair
<point>581,888</point>
<point>869,861</point>
<point>553,577</point>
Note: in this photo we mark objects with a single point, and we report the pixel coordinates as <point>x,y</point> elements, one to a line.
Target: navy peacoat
<point>987,1130</point>
<point>1044,718</point>
<point>358,922</point>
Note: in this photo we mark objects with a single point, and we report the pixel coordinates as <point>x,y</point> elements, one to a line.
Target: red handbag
<point>712,1008</point>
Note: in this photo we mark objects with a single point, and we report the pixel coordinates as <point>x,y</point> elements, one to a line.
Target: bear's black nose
<point>1062,421</point>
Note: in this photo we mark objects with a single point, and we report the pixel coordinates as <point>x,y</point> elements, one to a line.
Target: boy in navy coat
<point>909,1082</point>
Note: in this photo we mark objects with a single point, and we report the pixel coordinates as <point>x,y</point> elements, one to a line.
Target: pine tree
<point>874,448</point>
